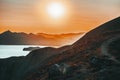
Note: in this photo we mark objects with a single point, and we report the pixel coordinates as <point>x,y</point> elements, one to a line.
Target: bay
<point>14,50</point>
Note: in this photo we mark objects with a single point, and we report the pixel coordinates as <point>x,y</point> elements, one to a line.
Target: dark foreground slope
<point>96,56</point>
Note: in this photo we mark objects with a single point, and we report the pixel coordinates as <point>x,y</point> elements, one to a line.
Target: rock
<point>58,70</point>
<point>100,63</point>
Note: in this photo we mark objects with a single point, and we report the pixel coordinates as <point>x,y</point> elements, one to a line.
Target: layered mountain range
<point>95,56</point>
<point>14,38</point>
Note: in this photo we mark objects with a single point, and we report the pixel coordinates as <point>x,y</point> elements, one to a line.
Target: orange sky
<point>81,15</point>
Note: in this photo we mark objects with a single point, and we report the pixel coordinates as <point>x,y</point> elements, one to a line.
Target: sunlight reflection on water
<point>14,50</point>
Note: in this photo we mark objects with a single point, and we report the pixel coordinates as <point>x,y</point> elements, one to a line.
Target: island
<point>30,48</point>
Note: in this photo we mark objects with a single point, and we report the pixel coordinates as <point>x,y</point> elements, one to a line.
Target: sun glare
<point>56,10</point>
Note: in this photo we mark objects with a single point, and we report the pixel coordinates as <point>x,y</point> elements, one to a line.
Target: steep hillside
<point>93,57</point>
<point>86,57</point>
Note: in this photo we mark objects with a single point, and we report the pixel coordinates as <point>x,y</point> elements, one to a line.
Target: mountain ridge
<point>21,38</point>
<point>83,60</point>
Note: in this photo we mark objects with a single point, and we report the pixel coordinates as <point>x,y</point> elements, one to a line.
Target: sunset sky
<point>70,15</point>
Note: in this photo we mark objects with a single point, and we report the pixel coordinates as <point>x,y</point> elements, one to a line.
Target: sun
<point>55,10</point>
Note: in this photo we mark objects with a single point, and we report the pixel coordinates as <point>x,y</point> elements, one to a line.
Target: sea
<point>7,51</point>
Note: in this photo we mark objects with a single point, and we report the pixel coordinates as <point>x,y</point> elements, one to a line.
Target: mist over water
<point>14,50</point>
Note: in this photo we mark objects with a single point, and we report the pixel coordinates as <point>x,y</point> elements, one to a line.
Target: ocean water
<point>14,50</point>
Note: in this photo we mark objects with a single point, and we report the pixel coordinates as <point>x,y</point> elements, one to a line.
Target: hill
<point>93,57</point>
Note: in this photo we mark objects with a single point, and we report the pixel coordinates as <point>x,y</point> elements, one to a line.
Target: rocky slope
<point>94,57</point>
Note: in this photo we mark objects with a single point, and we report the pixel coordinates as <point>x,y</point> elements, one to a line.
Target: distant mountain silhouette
<point>95,56</point>
<point>13,38</point>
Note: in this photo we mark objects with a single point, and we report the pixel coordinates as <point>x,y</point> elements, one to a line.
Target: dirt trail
<point>105,47</point>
